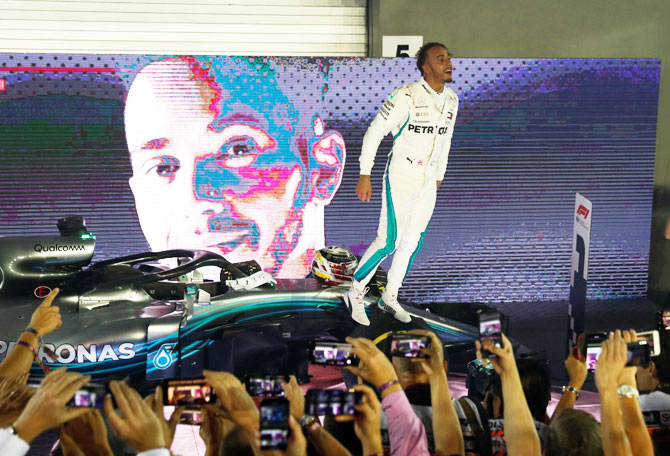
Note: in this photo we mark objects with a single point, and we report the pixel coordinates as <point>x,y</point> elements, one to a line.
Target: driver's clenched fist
<point>364,188</point>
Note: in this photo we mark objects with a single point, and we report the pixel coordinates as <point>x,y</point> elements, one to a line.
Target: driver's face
<point>216,179</point>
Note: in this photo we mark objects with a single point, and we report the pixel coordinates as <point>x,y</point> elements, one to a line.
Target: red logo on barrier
<point>583,211</point>
<point>3,85</point>
<point>42,291</point>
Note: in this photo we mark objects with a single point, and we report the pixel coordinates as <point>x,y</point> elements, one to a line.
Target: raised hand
<point>374,366</point>
<point>47,409</point>
<point>503,363</point>
<point>86,434</point>
<point>235,400</point>
<point>155,403</point>
<point>293,393</point>
<point>138,425</point>
<point>14,394</point>
<point>433,363</point>
<point>46,318</point>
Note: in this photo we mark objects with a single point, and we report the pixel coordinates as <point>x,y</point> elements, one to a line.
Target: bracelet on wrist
<point>34,331</point>
<point>40,343</point>
<point>570,389</point>
<point>36,356</point>
<point>388,384</point>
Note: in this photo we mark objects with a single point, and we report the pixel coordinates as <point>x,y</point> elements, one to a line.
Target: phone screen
<point>191,416</point>
<point>268,386</point>
<point>652,338</point>
<point>490,329</point>
<point>408,345</point>
<point>591,346</point>
<point>274,423</point>
<point>91,395</point>
<point>592,354</point>
<point>320,402</point>
<point>187,392</point>
<point>331,353</point>
<point>637,354</point>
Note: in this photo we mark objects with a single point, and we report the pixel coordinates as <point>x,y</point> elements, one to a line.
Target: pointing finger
<point>50,298</point>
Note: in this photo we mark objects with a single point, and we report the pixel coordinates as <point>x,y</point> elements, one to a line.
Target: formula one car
<point>130,317</point>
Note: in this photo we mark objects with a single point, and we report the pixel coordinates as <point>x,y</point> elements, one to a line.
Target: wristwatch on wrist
<point>627,391</point>
<point>572,390</point>
<point>309,423</point>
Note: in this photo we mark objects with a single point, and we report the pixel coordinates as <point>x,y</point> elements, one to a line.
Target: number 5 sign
<point>400,46</point>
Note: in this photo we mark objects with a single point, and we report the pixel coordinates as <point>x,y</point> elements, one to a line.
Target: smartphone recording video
<point>651,338</point>
<point>490,329</point>
<point>331,353</point>
<point>408,345</point>
<point>590,348</point>
<point>187,392</point>
<point>274,423</point>
<point>267,386</point>
<point>192,417</point>
<point>637,354</point>
<point>91,395</point>
<point>320,402</point>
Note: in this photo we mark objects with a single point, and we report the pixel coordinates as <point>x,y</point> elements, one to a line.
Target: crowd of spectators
<point>406,408</point>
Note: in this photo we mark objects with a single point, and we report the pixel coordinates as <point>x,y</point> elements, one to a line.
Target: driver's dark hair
<point>423,51</point>
<point>573,432</point>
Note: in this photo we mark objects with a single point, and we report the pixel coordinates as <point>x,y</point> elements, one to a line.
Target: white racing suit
<point>418,160</point>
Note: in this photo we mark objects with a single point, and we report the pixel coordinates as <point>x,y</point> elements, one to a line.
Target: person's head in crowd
<point>225,160</point>
<point>647,378</point>
<point>536,383</point>
<point>343,432</point>
<point>573,432</point>
<point>493,402</point>
<point>236,442</point>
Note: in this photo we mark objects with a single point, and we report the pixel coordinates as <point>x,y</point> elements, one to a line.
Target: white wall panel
<point>255,27</point>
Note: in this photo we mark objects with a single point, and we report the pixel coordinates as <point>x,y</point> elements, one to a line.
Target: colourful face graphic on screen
<point>223,161</point>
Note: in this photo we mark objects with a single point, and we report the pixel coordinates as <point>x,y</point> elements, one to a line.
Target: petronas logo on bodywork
<point>163,358</point>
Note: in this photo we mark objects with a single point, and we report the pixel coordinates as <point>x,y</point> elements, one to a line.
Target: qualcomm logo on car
<point>58,248</point>
<point>164,359</point>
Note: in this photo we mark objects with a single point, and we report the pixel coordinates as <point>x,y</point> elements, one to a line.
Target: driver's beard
<point>286,239</point>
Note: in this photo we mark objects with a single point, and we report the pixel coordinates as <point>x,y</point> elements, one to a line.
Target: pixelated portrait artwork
<point>257,158</point>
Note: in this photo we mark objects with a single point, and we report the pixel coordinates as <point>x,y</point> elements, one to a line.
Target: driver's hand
<point>364,188</point>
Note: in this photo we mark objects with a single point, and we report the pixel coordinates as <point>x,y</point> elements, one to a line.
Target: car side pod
<point>163,346</point>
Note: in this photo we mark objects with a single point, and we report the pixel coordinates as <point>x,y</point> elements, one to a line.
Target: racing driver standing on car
<point>421,117</point>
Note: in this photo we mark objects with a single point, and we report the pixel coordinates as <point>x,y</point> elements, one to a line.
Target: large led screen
<point>257,158</point>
